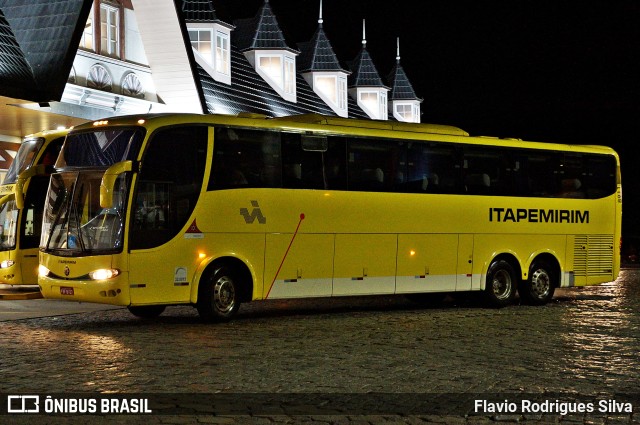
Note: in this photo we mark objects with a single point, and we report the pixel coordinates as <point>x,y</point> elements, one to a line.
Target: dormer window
<point>374,103</point>
<point>211,44</point>
<point>332,89</point>
<point>406,111</point>
<point>279,70</point>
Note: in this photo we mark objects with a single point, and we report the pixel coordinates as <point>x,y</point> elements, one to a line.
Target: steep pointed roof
<point>198,11</point>
<point>260,32</point>
<point>317,54</point>
<point>364,71</point>
<point>201,11</point>
<point>401,88</point>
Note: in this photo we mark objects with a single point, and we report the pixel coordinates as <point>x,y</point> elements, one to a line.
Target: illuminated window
<point>328,87</point>
<point>374,103</point>
<point>86,41</point>
<point>289,75</point>
<point>109,31</point>
<point>342,93</point>
<point>332,88</point>
<point>406,111</point>
<point>223,64</point>
<point>201,42</point>
<point>278,69</point>
<point>272,66</point>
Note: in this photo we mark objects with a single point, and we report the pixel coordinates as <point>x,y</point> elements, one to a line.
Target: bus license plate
<point>66,290</point>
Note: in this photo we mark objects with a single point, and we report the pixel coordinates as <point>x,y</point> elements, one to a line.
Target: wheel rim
<point>540,283</point>
<point>501,284</point>
<point>224,294</point>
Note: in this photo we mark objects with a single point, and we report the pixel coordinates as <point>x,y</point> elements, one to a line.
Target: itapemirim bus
<point>212,211</point>
<point>22,196</point>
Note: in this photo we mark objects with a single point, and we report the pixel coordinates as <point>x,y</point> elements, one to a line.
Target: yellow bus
<point>213,211</point>
<point>22,196</point>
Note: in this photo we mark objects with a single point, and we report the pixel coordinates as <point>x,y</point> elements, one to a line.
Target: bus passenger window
<point>245,158</point>
<point>372,164</point>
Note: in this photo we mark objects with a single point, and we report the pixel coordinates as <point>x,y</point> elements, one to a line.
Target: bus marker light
<point>6,264</point>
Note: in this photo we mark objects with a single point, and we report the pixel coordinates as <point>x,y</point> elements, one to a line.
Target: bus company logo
<point>256,213</point>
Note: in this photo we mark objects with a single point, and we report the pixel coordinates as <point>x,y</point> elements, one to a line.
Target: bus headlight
<point>43,271</point>
<point>6,264</point>
<point>103,274</point>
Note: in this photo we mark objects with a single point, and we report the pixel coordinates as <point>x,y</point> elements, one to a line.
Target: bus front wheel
<point>539,288</point>
<point>500,289</point>
<point>219,295</point>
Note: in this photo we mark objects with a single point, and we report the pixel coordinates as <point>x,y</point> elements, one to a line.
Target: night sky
<point>549,71</point>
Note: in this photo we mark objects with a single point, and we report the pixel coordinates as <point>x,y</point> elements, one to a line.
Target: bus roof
<point>311,121</point>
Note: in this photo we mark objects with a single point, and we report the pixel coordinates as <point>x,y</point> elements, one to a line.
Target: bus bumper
<point>112,291</point>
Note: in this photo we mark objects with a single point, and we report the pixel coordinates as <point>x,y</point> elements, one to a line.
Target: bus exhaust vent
<point>593,255</point>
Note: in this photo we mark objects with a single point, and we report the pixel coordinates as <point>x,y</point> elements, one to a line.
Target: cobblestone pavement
<point>364,360</point>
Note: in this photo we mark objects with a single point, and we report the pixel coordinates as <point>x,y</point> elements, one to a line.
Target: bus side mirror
<point>18,190</point>
<point>6,198</point>
<point>108,181</point>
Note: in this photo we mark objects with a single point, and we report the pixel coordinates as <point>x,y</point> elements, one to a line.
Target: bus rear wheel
<point>500,289</point>
<point>219,295</point>
<point>539,288</point>
<point>146,311</point>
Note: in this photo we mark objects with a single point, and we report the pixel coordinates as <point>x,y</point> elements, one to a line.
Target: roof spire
<point>364,35</point>
<point>398,49</point>
<point>320,16</point>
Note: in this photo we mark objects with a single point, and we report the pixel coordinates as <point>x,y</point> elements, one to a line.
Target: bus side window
<point>245,158</point>
<point>600,180</point>
<point>169,182</point>
<point>372,164</point>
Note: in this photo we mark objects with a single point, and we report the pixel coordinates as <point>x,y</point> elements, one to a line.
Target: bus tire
<point>500,289</point>
<point>146,311</point>
<point>539,288</point>
<point>219,295</point>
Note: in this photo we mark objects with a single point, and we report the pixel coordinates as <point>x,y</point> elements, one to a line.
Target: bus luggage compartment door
<point>365,264</point>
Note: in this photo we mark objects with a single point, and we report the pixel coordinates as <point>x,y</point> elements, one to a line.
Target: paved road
<point>375,360</point>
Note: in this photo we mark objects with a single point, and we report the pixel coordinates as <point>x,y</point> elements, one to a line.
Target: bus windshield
<point>24,159</point>
<point>74,223</point>
<point>100,148</point>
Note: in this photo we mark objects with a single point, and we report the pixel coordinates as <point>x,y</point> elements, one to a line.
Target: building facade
<point>242,66</point>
